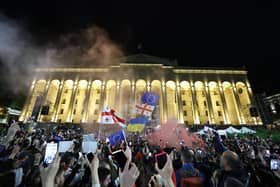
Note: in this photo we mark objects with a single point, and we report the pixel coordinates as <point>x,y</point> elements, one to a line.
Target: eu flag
<point>116,137</point>
<point>150,98</point>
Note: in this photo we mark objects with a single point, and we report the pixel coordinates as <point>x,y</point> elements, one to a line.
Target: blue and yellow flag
<point>137,124</point>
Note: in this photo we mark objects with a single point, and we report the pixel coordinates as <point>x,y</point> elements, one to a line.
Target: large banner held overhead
<point>150,98</point>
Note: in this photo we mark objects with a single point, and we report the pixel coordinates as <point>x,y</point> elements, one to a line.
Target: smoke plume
<point>19,54</point>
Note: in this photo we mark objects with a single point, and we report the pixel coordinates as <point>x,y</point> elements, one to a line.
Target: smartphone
<point>274,164</point>
<point>120,157</point>
<point>51,150</point>
<point>161,159</point>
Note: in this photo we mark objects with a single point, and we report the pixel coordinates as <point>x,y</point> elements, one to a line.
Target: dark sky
<point>231,35</point>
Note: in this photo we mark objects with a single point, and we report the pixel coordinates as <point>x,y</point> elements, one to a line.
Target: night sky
<point>230,35</point>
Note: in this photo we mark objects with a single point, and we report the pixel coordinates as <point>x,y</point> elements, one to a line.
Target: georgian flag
<point>110,116</point>
<point>145,109</point>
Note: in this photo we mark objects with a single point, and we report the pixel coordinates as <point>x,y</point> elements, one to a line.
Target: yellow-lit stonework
<point>190,95</point>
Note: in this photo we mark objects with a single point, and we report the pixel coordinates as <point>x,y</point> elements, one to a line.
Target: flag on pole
<point>144,109</point>
<point>137,124</point>
<point>116,137</point>
<point>110,116</point>
<point>150,98</point>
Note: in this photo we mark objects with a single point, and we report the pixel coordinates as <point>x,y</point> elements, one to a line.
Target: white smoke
<point>19,55</point>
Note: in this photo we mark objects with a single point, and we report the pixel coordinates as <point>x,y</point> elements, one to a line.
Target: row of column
<point>164,116</point>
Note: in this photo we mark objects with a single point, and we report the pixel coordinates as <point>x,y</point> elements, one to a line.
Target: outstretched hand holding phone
<point>130,172</point>
<point>93,165</point>
<point>48,173</point>
<point>166,172</point>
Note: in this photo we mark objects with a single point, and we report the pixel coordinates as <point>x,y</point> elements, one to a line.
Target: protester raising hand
<point>48,174</point>
<point>94,170</point>
<point>166,172</point>
<point>129,175</point>
<point>156,181</point>
<point>128,154</point>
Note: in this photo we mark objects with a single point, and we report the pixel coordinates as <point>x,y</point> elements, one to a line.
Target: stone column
<point>240,115</point>
<point>57,100</point>
<point>164,99</point>
<point>102,95</point>
<point>86,102</point>
<point>118,98</point>
<point>148,86</point>
<point>27,102</point>
<point>180,107</point>
<point>210,106</point>
<point>224,104</point>
<point>195,105</point>
<point>72,100</point>
<point>132,99</point>
<point>252,102</point>
<point>47,87</point>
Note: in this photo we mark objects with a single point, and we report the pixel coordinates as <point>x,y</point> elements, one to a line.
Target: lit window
<point>61,111</point>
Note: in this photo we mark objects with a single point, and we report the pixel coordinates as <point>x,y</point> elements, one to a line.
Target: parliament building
<point>193,96</point>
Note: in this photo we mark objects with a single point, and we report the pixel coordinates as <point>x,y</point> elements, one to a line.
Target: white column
<point>240,115</point>
<point>57,100</point>
<point>47,87</point>
<point>180,107</point>
<point>27,102</point>
<point>164,102</point>
<point>224,104</point>
<point>71,104</point>
<point>132,99</point>
<point>86,103</point>
<point>195,106</point>
<point>210,106</point>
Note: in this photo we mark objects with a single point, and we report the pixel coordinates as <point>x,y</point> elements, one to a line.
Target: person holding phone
<point>164,168</point>
<point>48,173</point>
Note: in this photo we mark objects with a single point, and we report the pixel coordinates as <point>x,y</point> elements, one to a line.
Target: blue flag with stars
<point>116,137</point>
<point>150,98</point>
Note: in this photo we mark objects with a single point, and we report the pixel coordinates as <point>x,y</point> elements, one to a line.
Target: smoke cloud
<point>19,54</point>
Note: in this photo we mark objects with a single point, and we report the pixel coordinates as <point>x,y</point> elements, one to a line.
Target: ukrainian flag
<point>137,124</point>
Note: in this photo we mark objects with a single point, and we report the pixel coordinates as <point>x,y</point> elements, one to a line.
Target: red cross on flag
<point>110,116</point>
<point>145,109</point>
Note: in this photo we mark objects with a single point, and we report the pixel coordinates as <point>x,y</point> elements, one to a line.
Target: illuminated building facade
<point>190,95</point>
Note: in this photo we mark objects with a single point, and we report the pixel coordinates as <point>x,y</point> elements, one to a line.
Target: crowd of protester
<point>238,162</point>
